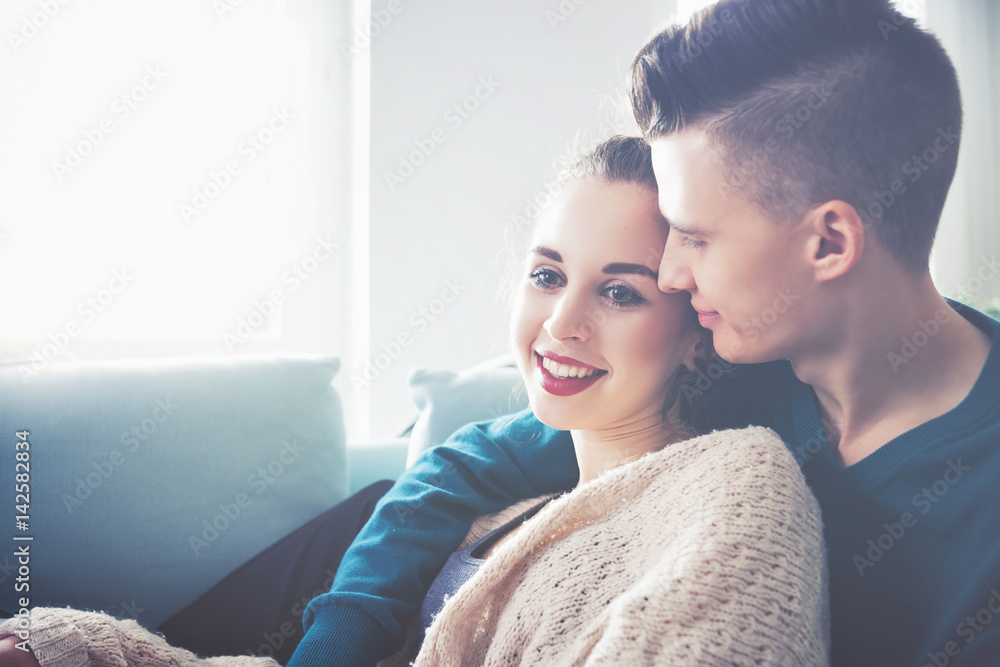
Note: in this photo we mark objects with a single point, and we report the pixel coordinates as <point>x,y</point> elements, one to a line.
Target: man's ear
<point>837,241</point>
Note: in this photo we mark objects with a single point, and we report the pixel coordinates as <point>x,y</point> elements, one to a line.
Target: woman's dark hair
<point>618,159</point>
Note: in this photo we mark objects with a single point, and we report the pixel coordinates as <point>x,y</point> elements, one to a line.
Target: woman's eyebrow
<point>546,252</point>
<point>624,267</point>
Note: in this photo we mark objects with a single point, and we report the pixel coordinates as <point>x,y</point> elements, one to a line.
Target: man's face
<point>747,274</point>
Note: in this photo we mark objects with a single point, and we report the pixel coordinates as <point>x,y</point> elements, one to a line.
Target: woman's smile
<point>564,376</point>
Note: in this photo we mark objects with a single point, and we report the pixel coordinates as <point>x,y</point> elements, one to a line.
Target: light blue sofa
<point>151,480</point>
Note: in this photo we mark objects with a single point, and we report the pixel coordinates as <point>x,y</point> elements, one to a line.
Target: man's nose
<point>674,273</point>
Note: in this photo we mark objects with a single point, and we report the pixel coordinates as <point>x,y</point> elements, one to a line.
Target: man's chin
<point>735,349</point>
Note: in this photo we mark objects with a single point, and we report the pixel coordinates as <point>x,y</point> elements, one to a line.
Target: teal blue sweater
<point>913,530</point>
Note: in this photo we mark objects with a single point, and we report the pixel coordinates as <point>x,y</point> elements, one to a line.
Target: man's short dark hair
<point>811,101</point>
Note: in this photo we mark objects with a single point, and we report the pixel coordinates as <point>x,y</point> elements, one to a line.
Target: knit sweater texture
<point>72,638</point>
<point>707,552</point>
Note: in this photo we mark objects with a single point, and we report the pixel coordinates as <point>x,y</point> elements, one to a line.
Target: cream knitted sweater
<point>72,638</point>
<point>708,552</point>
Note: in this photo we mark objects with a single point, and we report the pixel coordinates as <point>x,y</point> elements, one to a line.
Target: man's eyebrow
<point>546,252</point>
<point>624,267</point>
<point>687,231</point>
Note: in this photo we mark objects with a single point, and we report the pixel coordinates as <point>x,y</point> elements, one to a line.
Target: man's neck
<point>897,364</point>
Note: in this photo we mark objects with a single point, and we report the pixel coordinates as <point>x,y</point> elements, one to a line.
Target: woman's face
<point>594,338</point>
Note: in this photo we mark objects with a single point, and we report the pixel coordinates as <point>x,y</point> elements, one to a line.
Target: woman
<point>672,549</point>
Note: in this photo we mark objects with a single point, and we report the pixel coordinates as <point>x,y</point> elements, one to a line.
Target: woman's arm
<point>385,574</point>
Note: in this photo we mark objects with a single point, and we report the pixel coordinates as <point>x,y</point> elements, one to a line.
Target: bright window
<point>174,177</point>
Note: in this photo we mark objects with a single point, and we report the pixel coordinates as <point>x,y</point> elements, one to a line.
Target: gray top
<point>464,563</point>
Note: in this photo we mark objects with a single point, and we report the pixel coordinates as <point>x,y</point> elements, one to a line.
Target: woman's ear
<point>700,348</point>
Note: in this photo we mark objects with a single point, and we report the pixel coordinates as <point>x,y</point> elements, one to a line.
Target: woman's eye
<point>545,279</point>
<point>621,296</point>
<point>689,242</point>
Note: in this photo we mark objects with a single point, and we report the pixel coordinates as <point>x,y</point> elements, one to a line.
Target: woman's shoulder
<point>730,449</point>
<point>748,464</point>
<point>488,522</point>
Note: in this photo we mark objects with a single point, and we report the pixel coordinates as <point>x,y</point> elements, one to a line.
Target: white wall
<point>557,68</point>
<point>967,247</point>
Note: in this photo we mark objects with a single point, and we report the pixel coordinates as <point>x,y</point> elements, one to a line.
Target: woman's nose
<point>573,318</point>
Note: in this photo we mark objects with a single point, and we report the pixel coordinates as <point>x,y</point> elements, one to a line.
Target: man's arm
<point>385,574</point>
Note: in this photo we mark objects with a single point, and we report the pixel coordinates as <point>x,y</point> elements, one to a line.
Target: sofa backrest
<point>151,480</point>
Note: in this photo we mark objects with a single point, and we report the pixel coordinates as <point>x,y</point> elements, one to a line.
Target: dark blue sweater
<point>913,530</point>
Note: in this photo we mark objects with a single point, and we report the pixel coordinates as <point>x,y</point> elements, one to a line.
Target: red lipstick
<point>565,386</point>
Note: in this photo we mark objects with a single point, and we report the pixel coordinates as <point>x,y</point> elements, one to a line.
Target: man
<point>803,149</point>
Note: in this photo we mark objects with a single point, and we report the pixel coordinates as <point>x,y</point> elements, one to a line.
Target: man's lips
<point>564,386</point>
<point>706,317</point>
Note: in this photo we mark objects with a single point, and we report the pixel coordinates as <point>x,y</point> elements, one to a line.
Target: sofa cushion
<point>151,480</point>
<point>448,401</point>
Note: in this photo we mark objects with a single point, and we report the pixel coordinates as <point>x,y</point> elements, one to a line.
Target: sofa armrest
<point>373,460</point>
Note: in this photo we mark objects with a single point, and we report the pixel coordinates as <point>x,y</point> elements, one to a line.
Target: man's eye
<point>545,279</point>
